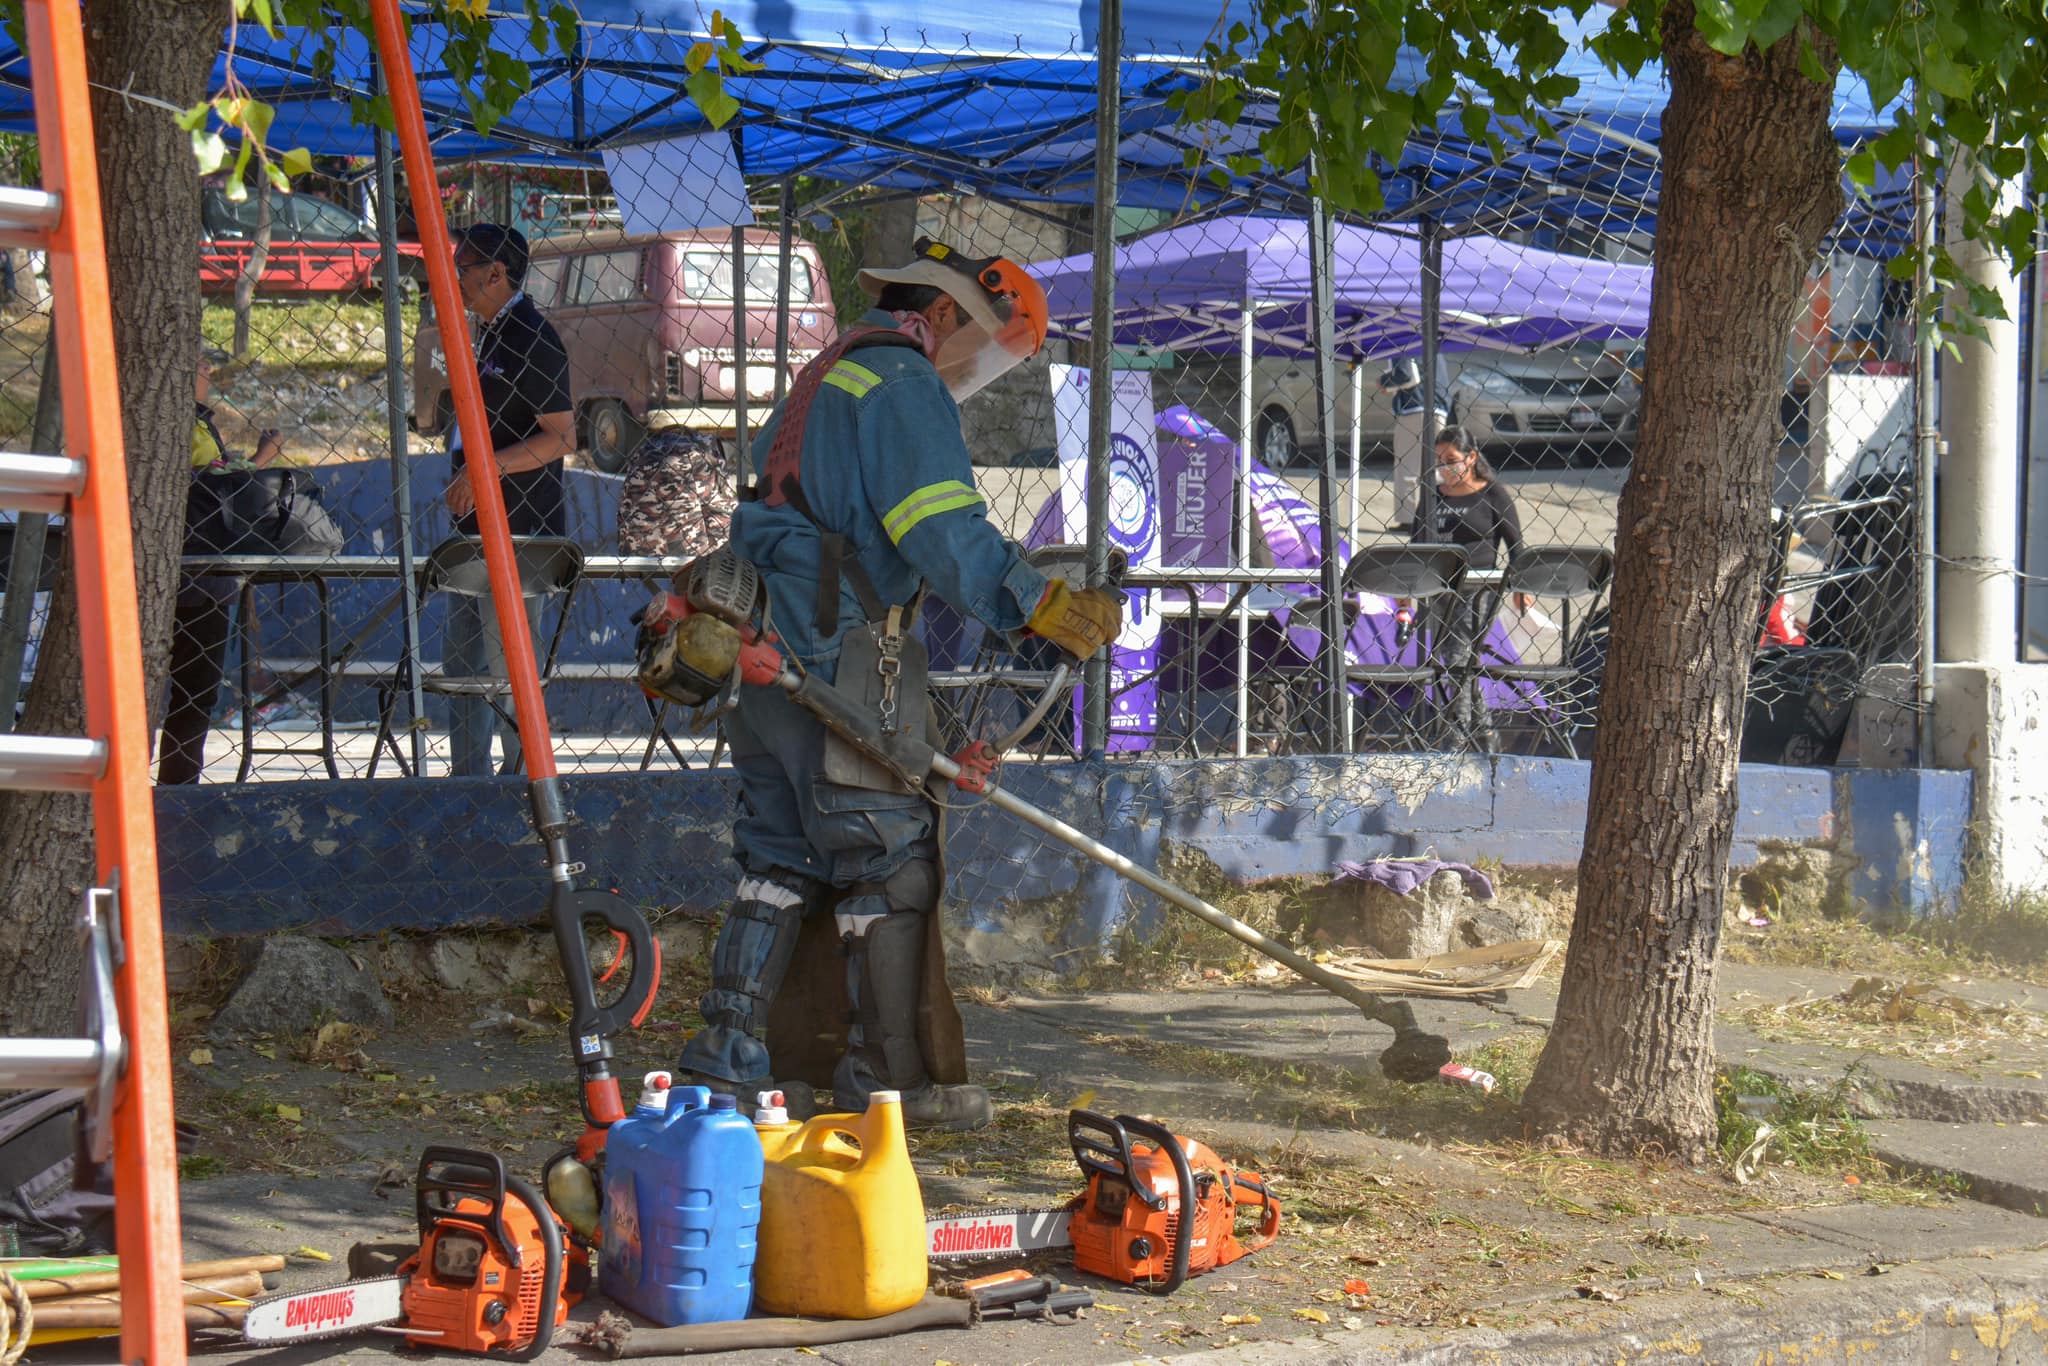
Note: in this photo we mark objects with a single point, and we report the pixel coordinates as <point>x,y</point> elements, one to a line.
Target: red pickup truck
<point>316,247</point>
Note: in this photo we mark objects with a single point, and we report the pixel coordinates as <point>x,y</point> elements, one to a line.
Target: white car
<point>1577,403</point>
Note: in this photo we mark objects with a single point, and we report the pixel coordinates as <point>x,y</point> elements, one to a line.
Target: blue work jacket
<point>885,466</point>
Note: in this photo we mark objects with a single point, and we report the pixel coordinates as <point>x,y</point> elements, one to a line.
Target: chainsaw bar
<point>997,1233</point>
<point>330,1312</point>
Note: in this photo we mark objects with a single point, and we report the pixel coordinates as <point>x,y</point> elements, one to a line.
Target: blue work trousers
<point>792,820</point>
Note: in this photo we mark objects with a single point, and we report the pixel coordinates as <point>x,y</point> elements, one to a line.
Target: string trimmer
<point>693,642</point>
<point>570,1183</point>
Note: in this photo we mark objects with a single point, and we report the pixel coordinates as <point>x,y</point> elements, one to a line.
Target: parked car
<point>647,323</point>
<point>1580,403</point>
<point>1564,401</point>
<point>316,246</point>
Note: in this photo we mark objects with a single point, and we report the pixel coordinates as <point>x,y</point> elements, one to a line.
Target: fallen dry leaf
<point>1595,1292</point>
<point>311,1254</point>
<point>1239,1320</point>
<point>1313,1315</point>
<point>200,1057</point>
<point>290,1113</point>
<point>1354,1286</point>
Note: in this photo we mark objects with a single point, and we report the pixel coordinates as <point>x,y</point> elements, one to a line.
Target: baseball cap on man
<point>1005,308</point>
<point>496,242</point>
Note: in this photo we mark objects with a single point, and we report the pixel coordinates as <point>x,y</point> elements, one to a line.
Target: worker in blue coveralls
<point>863,495</point>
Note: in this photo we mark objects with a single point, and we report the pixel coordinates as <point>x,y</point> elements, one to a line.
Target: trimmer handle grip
<point>624,920</point>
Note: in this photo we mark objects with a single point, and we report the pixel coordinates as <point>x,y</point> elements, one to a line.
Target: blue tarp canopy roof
<point>904,94</point>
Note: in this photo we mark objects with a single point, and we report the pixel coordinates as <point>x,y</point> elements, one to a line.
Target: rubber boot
<point>884,975</point>
<point>748,962</point>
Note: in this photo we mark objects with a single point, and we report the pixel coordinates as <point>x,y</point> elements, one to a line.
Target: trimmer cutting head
<point>1414,1056</point>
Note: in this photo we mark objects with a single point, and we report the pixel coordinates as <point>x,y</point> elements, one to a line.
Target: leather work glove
<point>1078,620</point>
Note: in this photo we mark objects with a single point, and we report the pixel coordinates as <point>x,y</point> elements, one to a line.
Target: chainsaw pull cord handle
<point>1269,1218</point>
<point>551,1268</point>
<point>1163,1138</point>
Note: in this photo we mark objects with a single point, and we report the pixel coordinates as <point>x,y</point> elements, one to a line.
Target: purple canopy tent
<point>1187,289</point>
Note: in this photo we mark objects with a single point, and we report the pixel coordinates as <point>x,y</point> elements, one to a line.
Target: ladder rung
<point>51,763</point>
<point>39,483</point>
<point>28,1063</point>
<point>28,217</point>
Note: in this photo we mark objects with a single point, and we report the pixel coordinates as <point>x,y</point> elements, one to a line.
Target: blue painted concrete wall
<point>364,857</point>
<point>1907,830</point>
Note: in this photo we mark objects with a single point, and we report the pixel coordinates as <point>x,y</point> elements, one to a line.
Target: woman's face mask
<point>1451,466</point>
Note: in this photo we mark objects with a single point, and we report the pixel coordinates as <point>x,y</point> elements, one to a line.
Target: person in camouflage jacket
<point>678,495</point>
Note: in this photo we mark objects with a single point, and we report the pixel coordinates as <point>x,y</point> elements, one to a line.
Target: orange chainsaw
<point>1158,1209</point>
<point>491,1274</point>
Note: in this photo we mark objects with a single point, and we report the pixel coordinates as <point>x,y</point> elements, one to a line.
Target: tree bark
<point>1751,185</point>
<point>149,189</point>
<point>252,269</point>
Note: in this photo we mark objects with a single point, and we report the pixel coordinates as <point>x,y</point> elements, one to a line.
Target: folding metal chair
<point>1395,701</point>
<point>548,565</point>
<point>1565,574</point>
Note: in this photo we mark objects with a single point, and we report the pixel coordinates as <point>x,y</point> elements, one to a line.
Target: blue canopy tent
<point>897,94</point>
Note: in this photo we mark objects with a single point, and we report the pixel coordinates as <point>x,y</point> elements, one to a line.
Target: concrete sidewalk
<point>1472,1247</point>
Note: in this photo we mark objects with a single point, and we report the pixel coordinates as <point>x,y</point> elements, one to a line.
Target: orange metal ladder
<point>124,1062</point>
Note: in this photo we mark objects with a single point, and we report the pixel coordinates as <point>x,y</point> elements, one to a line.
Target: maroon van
<point>647,322</point>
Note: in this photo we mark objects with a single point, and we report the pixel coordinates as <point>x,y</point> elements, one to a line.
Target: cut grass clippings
<point>1918,1021</point>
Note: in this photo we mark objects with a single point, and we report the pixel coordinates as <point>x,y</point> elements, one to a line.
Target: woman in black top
<point>1475,512</point>
<point>1471,509</point>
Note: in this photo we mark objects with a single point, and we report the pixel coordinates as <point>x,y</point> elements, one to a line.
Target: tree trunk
<point>252,270</point>
<point>1751,185</point>
<point>150,198</point>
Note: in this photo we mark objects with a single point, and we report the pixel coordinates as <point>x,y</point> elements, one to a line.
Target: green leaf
<point>1862,168</point>
<point>209,150</point>
<point>259,10</point>
<point>706,90</point>
<point>237,187</point>
<point>194,119</point>
<point>298,161</point>
<point>279,181</point>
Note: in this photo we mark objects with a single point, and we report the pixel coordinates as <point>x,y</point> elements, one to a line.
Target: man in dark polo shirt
<point>525,376</point>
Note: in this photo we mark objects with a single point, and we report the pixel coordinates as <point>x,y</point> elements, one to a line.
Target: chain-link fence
<point>1483,340</point>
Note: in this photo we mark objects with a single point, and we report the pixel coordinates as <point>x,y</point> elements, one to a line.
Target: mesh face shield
<point>1004,308</point>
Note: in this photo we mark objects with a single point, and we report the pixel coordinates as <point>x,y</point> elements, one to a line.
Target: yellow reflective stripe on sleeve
<point>854,370</point>
<point>948,495</point>
<point>854,379</point>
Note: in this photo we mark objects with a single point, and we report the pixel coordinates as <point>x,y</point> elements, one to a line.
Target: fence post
<point>739,346</point>
<point>786,210</point>
<point>1241,529</point>
<point>1323,320</point>
<point>1925,447</point>
<point>1101,379</point>
<point>1432,347</point>
<point>394,414</point>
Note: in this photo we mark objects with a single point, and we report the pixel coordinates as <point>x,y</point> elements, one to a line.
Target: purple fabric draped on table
<point>1197,465</point>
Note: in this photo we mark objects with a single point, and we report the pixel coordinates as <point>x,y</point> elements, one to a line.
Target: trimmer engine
<point>689,640</point>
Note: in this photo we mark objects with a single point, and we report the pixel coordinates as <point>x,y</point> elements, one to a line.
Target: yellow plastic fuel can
<point>842,1218</point>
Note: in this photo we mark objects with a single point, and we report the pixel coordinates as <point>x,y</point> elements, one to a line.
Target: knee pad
<point>912,890</point>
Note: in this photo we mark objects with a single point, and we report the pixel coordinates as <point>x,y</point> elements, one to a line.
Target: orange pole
<point>116,700</point>
<point>521,667</point>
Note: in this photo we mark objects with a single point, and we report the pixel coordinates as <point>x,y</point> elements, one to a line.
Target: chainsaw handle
<point>551,1267</point>
<point>1111,1159</point>
<point>1164,1139</point>
<point>440,1174</point>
